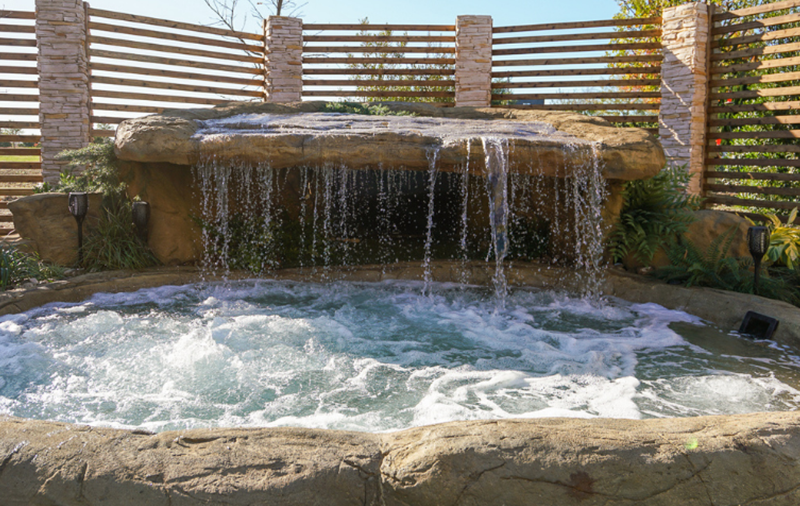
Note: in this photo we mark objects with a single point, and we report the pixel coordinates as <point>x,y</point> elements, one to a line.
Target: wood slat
<point>734,201</point>
<point>757,65</point>
<point>645,118</point>
<point>785,91</point>
<point>116,55</point>
<point>19,70</point>
<point>576,84</point>
<point>20,178</point>
<point>17,14</point>
<point>764,148</point>
<point>766,106</point>
<point>140,32</point>
<point>378,83</point>
<point>378,38</point>
<point>102,67</point>
<point>766,78</point>
<point>578,61</point>
<point>750,39</point>
<point>761,9</point>
<point>107,120</point>
<point>16,192</point>
<point>19,124</point>
<point>20,98</point>
<point>775,134</point>
<point>20,138</point>
<point>17,42</point>
<point>768,120</point>
<point>173,86</point>
<point>15,83</point>
<point>18,56</point>
<point>157,98</point>
<point>380,72</point>
<point>310,60</point>
<point>379,50</point>
<point>577,49</point>
<point>14,111</point>
<point>99,106</point>
<point>760,23</point>
<point>582,107</point>
<point>110,41</point>
<point>756,176</point>
<point>20,165</point>
<point>4,28</point>
<point>406,94</point>
<point>744,162</point>
<point>651,70</point>
<point>656,20</point>
<point>20,151</point>
<point>174,24</point>
<point>539,96</point>
<point>378,28</point>
<point>577,36</point>
<point>758,190</point>
<point>756,51</point>
<point>103,133</point>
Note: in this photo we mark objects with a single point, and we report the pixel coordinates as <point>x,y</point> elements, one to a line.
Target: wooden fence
<point>609,68</point>
<point>379,62</point>
<point>183,65</point>
<point>20,161</point>
<point>752,152</point>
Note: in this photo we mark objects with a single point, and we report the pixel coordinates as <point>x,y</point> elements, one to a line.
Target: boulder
<point>741,459</point>
<point>43,220</point>
<point>294,135</point>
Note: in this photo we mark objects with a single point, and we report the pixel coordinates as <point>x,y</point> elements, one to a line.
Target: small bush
<point>17,267</point>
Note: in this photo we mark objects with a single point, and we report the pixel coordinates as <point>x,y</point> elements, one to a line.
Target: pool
<point>374,357</point>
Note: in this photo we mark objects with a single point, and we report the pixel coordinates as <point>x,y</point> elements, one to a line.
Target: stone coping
<point>722,308</point>
<point>741,459</point>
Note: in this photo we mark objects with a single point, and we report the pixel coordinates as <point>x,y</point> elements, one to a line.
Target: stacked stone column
<point>63,80</point>
<point>684,88</point>
<point>283,61</point>
<point>474,61</point>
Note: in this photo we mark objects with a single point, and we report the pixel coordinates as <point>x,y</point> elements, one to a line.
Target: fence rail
<point>752,136</point>
<point>628,62</point>
<point>20,160</point>
<point>379,62</point>
<point>176,65</point>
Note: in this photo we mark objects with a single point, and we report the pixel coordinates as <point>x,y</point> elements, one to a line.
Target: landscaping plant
<point>17,267</point>
<point>784,242</point>
<point>655,211</point>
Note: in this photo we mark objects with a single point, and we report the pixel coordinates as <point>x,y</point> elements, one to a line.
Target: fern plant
<point>712,268</point>
<point>655,211</point>
<point>784,241</point>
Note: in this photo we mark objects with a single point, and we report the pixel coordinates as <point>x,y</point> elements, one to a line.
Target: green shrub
<point>363,108</point>
<point>784,241</point>
<point>655,210</point>
<point>16,267</point>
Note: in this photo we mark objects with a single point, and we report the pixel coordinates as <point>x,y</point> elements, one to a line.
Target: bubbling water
<point>372,357</point>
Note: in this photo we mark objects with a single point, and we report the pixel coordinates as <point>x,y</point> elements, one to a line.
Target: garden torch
<point>758,242</point>
<point>78,207</point>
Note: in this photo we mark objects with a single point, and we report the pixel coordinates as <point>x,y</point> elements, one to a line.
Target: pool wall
<point>744,459</point>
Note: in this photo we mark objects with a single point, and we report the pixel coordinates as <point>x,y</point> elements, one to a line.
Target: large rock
<point>49,229</point>
<point>293,135</point>
<point>745,459</point>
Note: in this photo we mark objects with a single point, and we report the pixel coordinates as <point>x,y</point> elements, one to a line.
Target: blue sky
<point>504,12</point>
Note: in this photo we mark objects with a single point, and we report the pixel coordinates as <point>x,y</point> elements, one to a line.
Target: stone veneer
<point>283,62</point>
<point>63,80</point>
<point>684,75</point>
<point>473,61</point>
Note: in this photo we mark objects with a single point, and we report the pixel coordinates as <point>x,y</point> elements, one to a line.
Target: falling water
<point>433,155</point>
<point>496,153</point>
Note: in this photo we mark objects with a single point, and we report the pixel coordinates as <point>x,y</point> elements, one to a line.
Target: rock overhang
<point>302,134</point>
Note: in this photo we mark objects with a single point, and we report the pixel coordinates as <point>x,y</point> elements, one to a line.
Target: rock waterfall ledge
<point>742,459</point>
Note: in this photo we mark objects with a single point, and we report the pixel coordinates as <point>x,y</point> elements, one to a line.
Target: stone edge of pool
<point>722,308</point>
<point>739,459</point>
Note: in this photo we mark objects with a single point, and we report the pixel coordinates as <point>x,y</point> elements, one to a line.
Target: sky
<point>504,12</point>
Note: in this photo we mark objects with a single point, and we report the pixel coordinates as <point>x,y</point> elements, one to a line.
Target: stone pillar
<point>684,88</point>
<point>63,65</point>
<point>474,61</point>
<point>283,60</point>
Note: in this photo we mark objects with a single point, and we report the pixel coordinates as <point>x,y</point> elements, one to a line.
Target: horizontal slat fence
<point>609,68</point>
<point>20,157</point>
<point>364,62</point>
<point>753,129</point>
<point>143,65</point>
